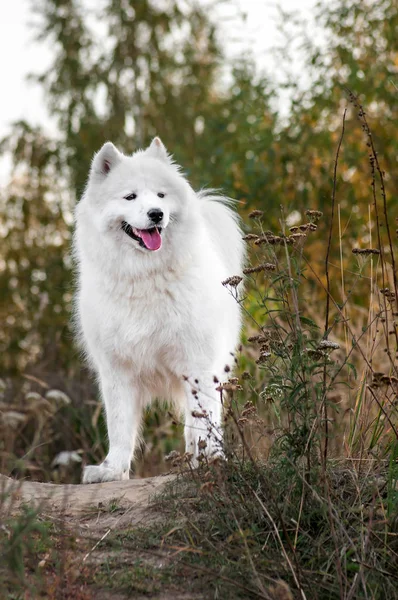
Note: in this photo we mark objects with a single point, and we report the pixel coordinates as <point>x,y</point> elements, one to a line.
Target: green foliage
<point>35,278</point>
<point>392,483</point>
<point>356,51</point>
<point>24,537</point>
<point>146,70</point>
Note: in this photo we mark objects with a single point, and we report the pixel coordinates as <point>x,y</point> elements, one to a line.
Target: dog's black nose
<point>155,214</point>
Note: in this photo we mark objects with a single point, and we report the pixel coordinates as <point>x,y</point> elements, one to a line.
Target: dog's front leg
<point>123,407</point>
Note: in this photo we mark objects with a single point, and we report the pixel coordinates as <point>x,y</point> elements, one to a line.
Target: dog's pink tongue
<point>152,239</point>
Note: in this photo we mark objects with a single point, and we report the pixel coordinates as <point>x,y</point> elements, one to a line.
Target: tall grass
<point>307,504</point>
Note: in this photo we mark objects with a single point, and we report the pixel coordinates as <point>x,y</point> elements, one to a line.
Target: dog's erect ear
<point>156,149</point>
<point>105,160</point>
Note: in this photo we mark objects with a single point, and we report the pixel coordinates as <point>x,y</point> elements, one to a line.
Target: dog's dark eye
<point>131,197</point>
<point>161,195</point>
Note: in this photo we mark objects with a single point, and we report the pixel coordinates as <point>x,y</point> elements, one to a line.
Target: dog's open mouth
<point>150,239</point>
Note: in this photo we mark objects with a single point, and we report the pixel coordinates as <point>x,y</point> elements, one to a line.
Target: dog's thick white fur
<point>154,319</point>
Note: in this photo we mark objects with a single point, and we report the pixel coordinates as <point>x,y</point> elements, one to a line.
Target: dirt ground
<point>73,501</point>
<point>93,512</point>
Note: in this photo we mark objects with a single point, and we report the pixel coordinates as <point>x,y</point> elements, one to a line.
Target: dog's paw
<point>100,473</point>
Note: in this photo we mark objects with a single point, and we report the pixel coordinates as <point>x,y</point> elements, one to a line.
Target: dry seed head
<point>389,294</point>
<point>249,237</point>
<point>199,414</point>
<point>13,419</point>
<point>254,338</point>
<point>268,238</point>
<point>386,379</point>
<point>259,268</point>
<point>270,334</point>
<point>308,227</point>
<point>262,339</point>
<point>58,397</point>
<point>229,387</point>
<point>316,354</point>
<point>261,240</point>
<point>233,281</point>
<point>264,356</point>
<point>294,229</point>
<point>377,376</point>
<point>273,240</point>
<point>248,404</point>
<point>172,456</point>
<point>314,214</point>
<point>297,236</point>
<point>202,444</point>
<point>365,251</point>
<point>328,345</point>
<point>255,214</point>
<point>248,412</point>
<point>246,375</point>
<point>264,347</point>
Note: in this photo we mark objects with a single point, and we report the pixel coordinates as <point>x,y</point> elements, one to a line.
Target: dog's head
<point>136,197</point>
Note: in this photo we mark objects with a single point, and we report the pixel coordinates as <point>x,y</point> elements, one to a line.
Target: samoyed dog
<point>153,316</point>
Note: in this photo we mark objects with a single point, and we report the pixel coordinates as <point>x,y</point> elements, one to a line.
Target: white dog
<point>154,318</point>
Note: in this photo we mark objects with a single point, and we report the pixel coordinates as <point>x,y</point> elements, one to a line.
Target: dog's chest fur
<point>153,323</point>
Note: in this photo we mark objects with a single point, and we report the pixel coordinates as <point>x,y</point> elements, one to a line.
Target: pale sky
<point>20,55</point>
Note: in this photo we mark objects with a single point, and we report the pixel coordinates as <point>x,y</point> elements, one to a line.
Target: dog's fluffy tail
<point>223,223</point>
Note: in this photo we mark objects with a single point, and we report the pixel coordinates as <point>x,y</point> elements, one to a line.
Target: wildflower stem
<point>325,408</point>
